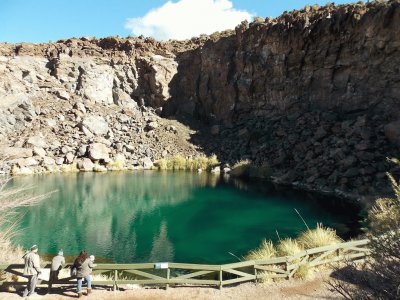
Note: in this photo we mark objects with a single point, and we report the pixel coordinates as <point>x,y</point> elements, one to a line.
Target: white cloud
<point>187,18</point>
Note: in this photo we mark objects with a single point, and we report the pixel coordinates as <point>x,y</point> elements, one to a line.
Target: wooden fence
<point>218,275</point>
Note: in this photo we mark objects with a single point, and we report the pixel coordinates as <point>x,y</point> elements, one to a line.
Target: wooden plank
<point>358,249</point>
<point>102,282</point>
<point>292,272</point>
<point>194,274</point>
<point>297,255</point>
<point>121,267</point>
<point>275,260</point>
<point>242,264</point>
<point>144,274</point>
<point>272,276</point>
<point>194,267</point>
<point>236,280</point>
<point>166,281</point>
<point>337,258</point>
<point>337,246</point>
<point>12,266</point>
<point>276,270</point>
<point>96,272</point>
<point>296,265</point>
<point>193,281</point>
<point>15,272</point>
<point>323,255</point>
<point>239,273</point>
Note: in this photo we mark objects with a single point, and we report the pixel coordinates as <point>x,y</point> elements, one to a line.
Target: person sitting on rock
<point>31,270</point>
<point>56,265</point>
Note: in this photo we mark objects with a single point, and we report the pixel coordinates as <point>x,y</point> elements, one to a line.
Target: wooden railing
<point>218,275</point>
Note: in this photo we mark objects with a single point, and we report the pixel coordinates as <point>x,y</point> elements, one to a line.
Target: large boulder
<point>98,151</point>
<point>85,165</point>
<point>95,124</point>
<point>147,163</point>
<point>10,153</point>
<point>37,141</point>
<point>392,132</point>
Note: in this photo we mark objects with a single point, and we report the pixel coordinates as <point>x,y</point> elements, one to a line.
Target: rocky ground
<point>297,290</point>
<point>313,95</point>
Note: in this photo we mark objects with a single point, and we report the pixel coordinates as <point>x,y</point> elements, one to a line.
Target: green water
<point>153,216</point>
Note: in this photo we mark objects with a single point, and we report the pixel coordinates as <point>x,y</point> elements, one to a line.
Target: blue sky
<point>44,20</point>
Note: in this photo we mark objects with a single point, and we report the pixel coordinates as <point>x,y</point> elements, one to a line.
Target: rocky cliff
<point>314,94</point>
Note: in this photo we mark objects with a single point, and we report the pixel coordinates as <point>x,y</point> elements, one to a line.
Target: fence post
<point>168,275</point>
<point>220,277</point>
<point>255,273</point>
<point>287,268</point>
<point>115,280</point>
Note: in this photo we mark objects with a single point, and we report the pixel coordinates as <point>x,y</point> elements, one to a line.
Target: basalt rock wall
<point>339,58</point>
<point>314,95</point>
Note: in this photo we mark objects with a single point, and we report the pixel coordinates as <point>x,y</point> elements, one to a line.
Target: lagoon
<point>129,217</point>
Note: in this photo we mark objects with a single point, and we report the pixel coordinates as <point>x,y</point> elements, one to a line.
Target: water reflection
<point>153,216</point>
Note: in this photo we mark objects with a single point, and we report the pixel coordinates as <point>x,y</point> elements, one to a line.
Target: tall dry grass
<point>311,238</point>
<point>318,237</point>
<point>12,198</point>
<point>180,163</point>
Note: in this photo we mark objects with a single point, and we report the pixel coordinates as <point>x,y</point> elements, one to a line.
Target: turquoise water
<point>155,216</point>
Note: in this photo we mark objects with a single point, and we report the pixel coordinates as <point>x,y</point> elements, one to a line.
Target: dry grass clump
<point>288,247</point>
<point>240,168</point>
<point>318,237</point>
<point>213,161</point>
<point>115,165</point>
<point>265,251</point>
<point>312,238</point>
<point>202,163</point>
<point>179,163</point>
<point>303,272</point>
<point>161,164</point>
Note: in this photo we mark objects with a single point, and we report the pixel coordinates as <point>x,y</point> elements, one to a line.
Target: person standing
<point>84,267</point>
<point>31,270</point>
<point>56,265</point>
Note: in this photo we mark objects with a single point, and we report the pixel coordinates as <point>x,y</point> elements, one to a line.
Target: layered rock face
<point>328,58</point>
<point>314,94</point>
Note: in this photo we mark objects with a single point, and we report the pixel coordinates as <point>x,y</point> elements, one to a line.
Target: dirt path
<point>311,289</point>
